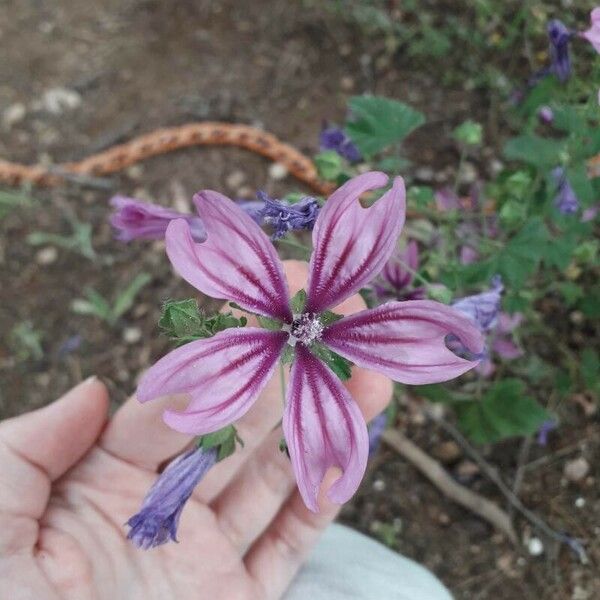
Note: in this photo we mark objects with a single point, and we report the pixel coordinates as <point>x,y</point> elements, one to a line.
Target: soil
<point>141,64</point>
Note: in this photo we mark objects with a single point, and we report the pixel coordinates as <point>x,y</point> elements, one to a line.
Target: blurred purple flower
<point>446,200</point>
<point>156,522</point>
<point>376,428</point>
<point>138,220</point>
<point>545,115</point>
<point>395,282</point>
<point>545,428</point>
<point>559,37</point>
<point>592,35</point>
<point>71,344</point>
<point>484,310</point>
<point>285,217</point>
<point>590,213</point>
<point>565,200</point>
<point>334,138</point>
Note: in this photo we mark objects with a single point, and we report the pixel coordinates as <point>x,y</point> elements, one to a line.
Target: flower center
<point>305,328</point>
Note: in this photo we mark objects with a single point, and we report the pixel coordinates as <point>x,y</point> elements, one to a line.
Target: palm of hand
<point>69,481</point>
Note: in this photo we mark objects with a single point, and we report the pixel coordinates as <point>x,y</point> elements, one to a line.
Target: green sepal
<point>338,364</point>
<point>283,447</point>
<point>268,323</point>
<point>328,317</point>
<point>223,439</point>
<point>287,356</point>
<point>298,302</point>
<point>183,322</point>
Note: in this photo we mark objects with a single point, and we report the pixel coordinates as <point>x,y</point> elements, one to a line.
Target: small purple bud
<point>545,115</point>
<point>565,200</point>
<point>138,220</point>
<point>446,199</point>
<point>334,138</point>
<point>376,428</point>
<point>589,214</point>
<point>285,217</point>
<point>559,37</point>
<point>156,522</point>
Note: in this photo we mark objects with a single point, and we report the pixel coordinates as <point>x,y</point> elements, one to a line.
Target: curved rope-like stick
<point>166,140</point>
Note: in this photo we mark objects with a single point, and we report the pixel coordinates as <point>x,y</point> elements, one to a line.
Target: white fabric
<point>347,565</point>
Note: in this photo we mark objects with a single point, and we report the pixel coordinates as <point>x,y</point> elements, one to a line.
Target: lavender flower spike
<point>560,37</point>
<point>135,219</point>
<point>156,522</point>
<point>286,217</point>
<point>565,201</point>
<point>334,138</point>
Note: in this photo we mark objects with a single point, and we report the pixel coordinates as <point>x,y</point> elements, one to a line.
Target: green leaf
<point>570,291</point>
<point>503,412</point>
<point>338,364</point>
<point>422,196</point>
<point>379,122</point>
<point>590,368</point>
<point>126,298</point>
<point>535,150</point>
<point>10,201</point>
<point>330,165</point>
<point>298,302</point>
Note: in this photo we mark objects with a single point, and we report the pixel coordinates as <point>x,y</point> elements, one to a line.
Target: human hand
<point>70,478</point>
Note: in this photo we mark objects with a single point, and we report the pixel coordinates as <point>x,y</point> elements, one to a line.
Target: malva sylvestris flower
<point>223,375</point>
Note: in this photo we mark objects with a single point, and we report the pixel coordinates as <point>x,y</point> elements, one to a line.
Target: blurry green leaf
<point>503,412</point>
<point>570,291</point>
<point>330,165</point>
<point>26,341</point>
<point>181,318</point>
<point>10,201</point>
<point>268,323</point>
<point>378,122</point>
<point>328,317</point>
<point>421,196</point>
<point>127,297</point>
<point>590,369</point>
<point>223,439</point>
<point>534,150</point>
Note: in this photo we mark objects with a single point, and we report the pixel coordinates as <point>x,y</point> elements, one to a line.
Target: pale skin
<point>70,477</point>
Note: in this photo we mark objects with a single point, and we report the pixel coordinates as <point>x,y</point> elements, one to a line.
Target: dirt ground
<point>136,65</point>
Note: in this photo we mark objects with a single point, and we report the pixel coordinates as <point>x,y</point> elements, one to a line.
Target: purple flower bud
<point>138,220</point>
<point>395,281</point>
<point>376,428</point>
<point>285,217</point>
<point>590,213</point>
<point>565,200</point>
<point>446,199</point>
<point>156,522</point>
<point>334,138</point>
<point>545,115</point>
<point>545,428</point>
<point>560,37</point>
<point>483,309</point>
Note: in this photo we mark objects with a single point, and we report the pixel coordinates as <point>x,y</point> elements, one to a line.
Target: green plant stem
<point>296,245</point>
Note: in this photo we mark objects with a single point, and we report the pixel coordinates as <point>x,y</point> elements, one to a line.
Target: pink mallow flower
<point>592,35</point>
<point>224,375</point>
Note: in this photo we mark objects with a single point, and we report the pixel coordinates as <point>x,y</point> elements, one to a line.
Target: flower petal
<point>352,243</point>
<point>324,428</point>
<point>236,262</point>
<point>223,376</point>
<point>505,348</point>
<point>406,340</point>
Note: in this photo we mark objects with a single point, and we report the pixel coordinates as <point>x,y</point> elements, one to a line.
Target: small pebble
<point>576,470</point>
<point>132,335</point>
<point>579,502</point>
<point>46,256</point>
<point>235,179</point>
<point>14,114</point>
<point>468,173</point>
<point>135,172</point>
<point>447,452</point>
<point>347,83</point>
<point>424,173</point>
<point>379,485</point>
<point>466,469</point>
<point>277,172</point>
<point>58,100</point>
<point>535,547</point>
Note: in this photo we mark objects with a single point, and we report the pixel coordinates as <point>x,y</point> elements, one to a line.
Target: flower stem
<point>296,245</point>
